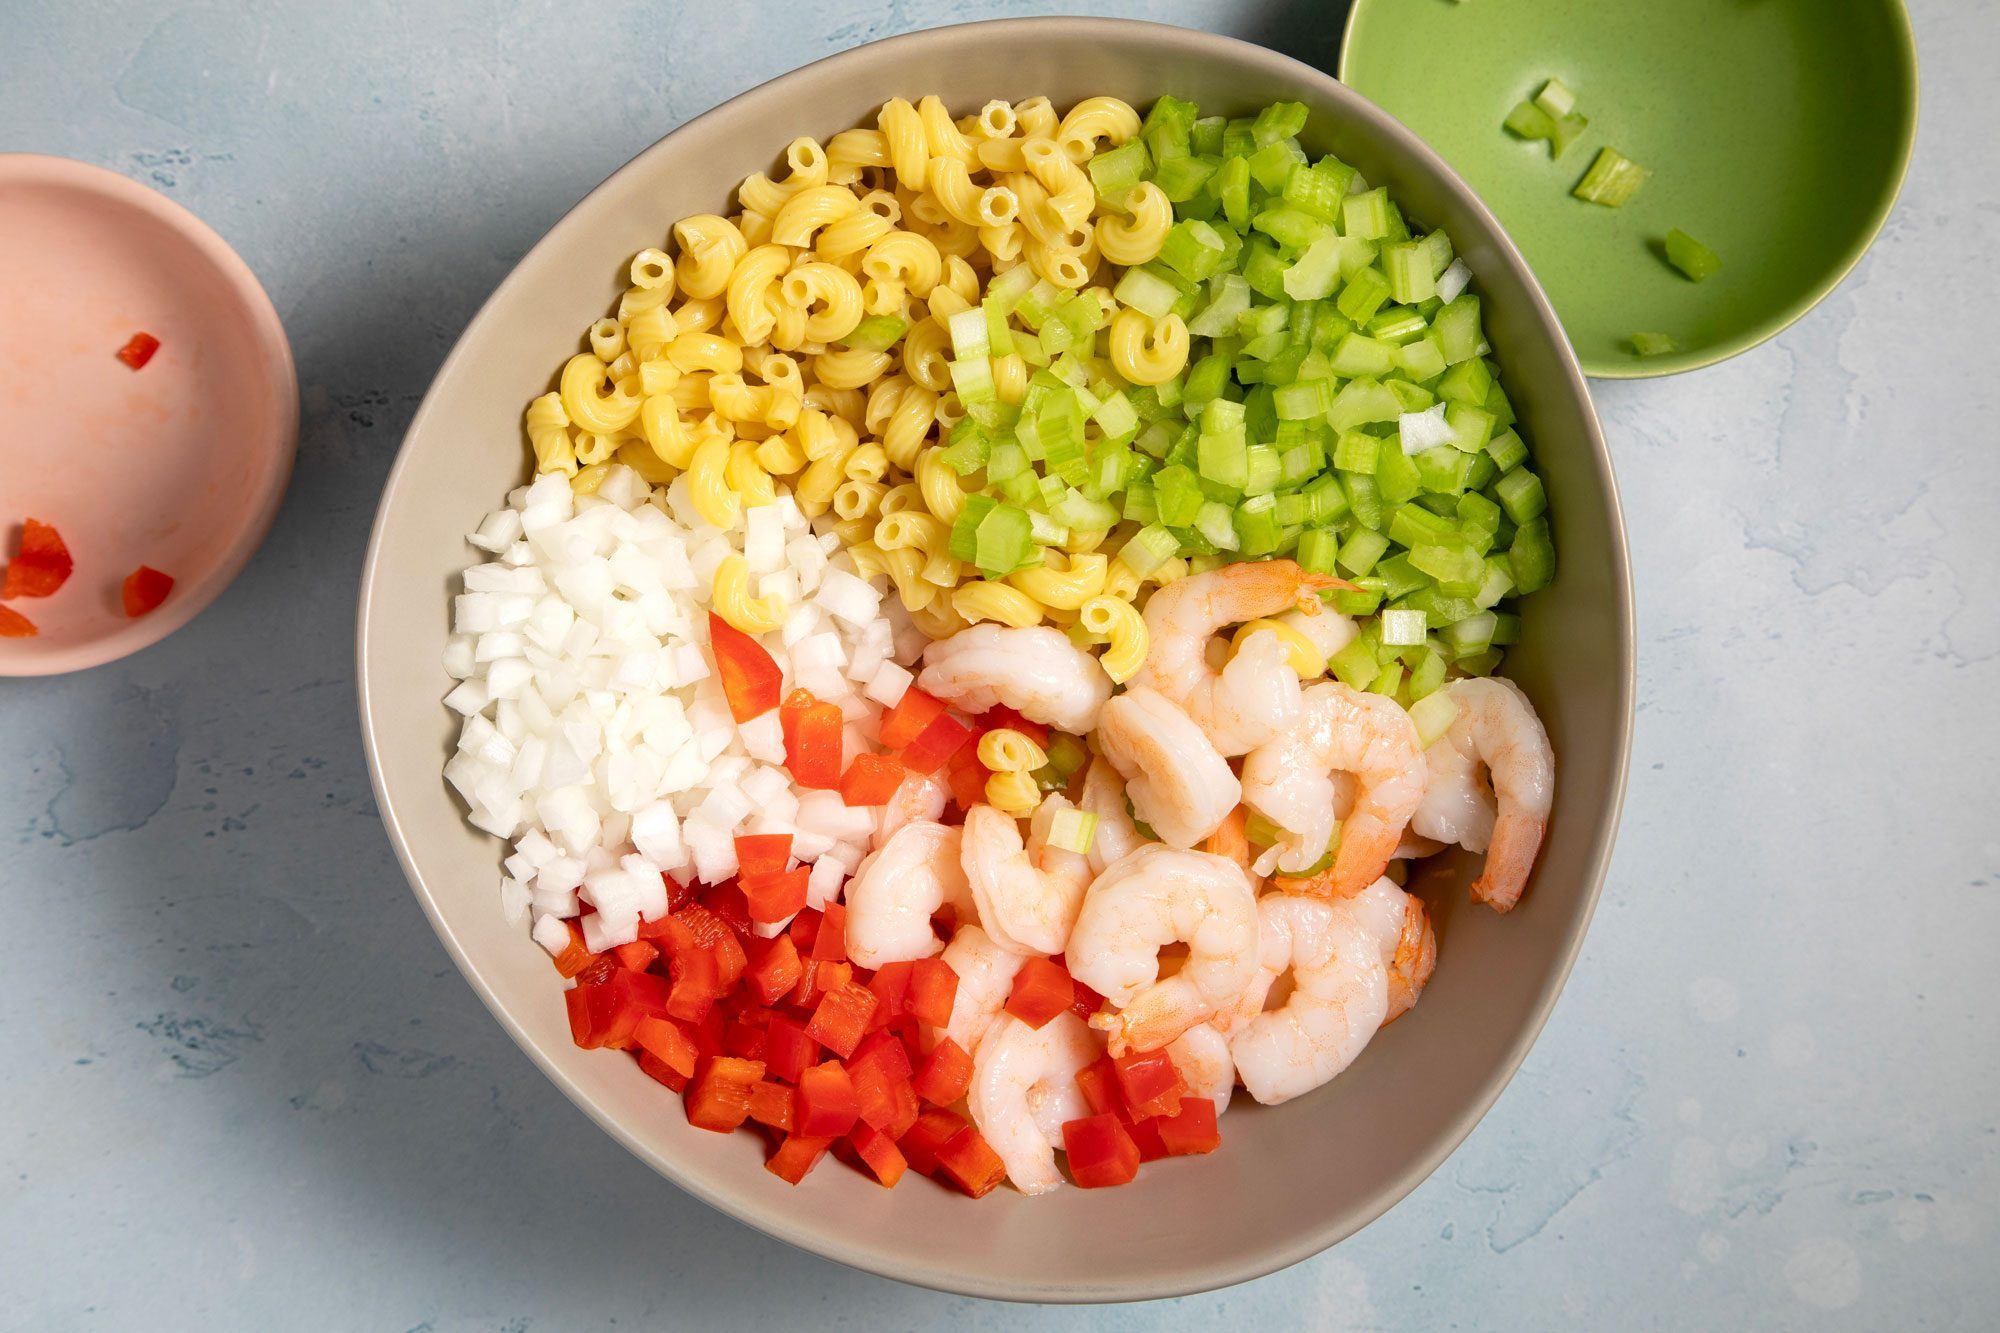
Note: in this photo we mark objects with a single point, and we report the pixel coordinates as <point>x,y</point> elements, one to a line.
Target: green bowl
<point>1777,132</point>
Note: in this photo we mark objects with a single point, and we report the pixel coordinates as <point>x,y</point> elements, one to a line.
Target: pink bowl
<point>180,465</point>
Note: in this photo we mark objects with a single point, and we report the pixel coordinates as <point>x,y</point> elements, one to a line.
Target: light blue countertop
<point>242,1086</point>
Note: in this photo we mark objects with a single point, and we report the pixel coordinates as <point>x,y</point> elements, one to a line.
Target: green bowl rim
<point>1658,367</point>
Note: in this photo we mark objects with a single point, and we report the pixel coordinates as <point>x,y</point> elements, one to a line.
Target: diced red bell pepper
<point>750,676</point>
<point>880,1153</point>
<point>719,1096</point>
<point>1149,1083</point>
<point>872,779</point>
<point>788,1051</point>
<point>1087,1001</point>
<point>145,588</point>
<point>776,970</point>
<point>1191,1131</point>
<point>695,926</point>
<point>638,955</point>
<point>925,1138</point>
<point>891,985</point>
<point>946,1074</point>
<point>661,1072</point>
<point>828,1103</point>
<point>574,956</point>
<point>966,777</point>
<point>14,625</point>
<point>970,1163</point>
<point>42,566</point>
<point>840,1019</point>
<point>697,984</point>
<point>669,1044</point>
<point>762,853</point>
<point>745,1040</point>
<point>830,945</point>
<point>884,1051</point>
<point>138,350</point>
<point>1146,1134</point>
<point>804,930</point>
<point>812,740</point>
<point>935,744</point>
<point>883,1100</point>
<point>725,903</point>
<point>798,1154</point>
<point>1001,716</point>
<point>1042,989</point>
<point>608,1013</point>
<point>1098,1081</point>
<point>773,1104</point>
<point>773,898</point>
<point>818,980</point>
<point>933,991</point>
<point>600,969</point>
<point>1100,1152</point>
<point>907,717</point>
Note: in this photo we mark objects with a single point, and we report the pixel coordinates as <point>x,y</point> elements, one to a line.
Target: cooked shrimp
<point>985,979</point>
<point>1036,671</point>
<point>922,796</point>
<point>1496,739</point>
<point>1232,837</point>
<point>1027,903</point>
<point>1023,1089</point>
<point>1290,783</point>
<point>1177,781</point>
<point>1103,795</point>
<point>1340,996</point>
<point>1411,847</point>
<point>1255,696</point>
<point>1152,898</point>
<point>896,891</point>
<point>1401,929</point>
<point>1326,630</point>
<point>1202,1056</point>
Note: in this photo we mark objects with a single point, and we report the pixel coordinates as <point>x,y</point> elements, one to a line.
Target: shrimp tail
<point>1416,957</point>
<point>1232,837</point>
<point>1509,857</point>
<point>1312,585</point>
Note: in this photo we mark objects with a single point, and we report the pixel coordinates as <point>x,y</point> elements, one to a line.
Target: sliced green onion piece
<point>1612,179</point>
<point>1690,256</point>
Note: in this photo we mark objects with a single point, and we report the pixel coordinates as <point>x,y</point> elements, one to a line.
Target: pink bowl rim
<point>278,449</point>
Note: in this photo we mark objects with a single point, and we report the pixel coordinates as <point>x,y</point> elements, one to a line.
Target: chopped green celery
<point>969,449</point>
<point>1360,355</point>
<point>1262,469</point>
<point>1612,179</point>
<point>1080,513</point>
<point>1506,628</point>
<point>1193,249</point>
<point>1690,256</point>
<point>1029,348</point>
<point>1325,500</point>
<point>1507,451</point>
<point>1471,427</point>
<point>1300,464</point>
<point>1034,305</point>
<point>972,377</point>
<point>1008,459</point>
<point>1362,600</point>
<point>1182,178</point>
<point>1316,272</point>
<point>1192,543</point>
<point>1082,317</point>
<point>1292,228</point>
<point>1532,556</point>
<point>1409,268</point>
<point>1366,215</point>
<point>1319,550</point>
<point>1004,292</point>
<point>1260,419</point>
<point>1237,139</point>
<point>1397,324</point>
<point>1206,381</point>
<point>963,542</point>
<point>1361,550</point>
<point>1231,184</point>
<point>1217,524</point>
<point>1168,123</point>
<point>1355,666</point>
<point>1361,401</point>
<point>1229,297</point>
<point>1060,424</point>
<point>1438,246</point>
<point>1457,329</point>
<point>1471,635</point>
<point>1653,344</point>
<point>1023,489</point>
<point>1478,518</point>
<point>999,334</point>
<point>1403,627</point>
<point>1177,494</point>
<point>1411,397</point>
<point>1495,586</point>
<point>1556,98</point>
<point>1525,120</point>
<point>1205,138</point>
<point>1139,505</point>
<point>1412,525</point>
<point>1271,164</point>
<point>1365,500</point>
<point>877,333</point>
<point>1520,494</point>
<point>1304,400</point>
<point>1264,269</point>
<point>1045,530</point>
<point>1433,713</point>
<point>1500,406</point>
<point>1364,294</point>
<point>1568,129</point>
<point>1257,525</point>
<point>1116,171</point>
<point>1259,320</point>
<point>1280,120</point>
<point>1283,368</point>
<point>1355,451</point>
<point>1444,470</point>
<point>1444,506</point>
<point>1116,416</point>
<point>1422,359</point>
<point>1388,682</point>
<point>1482,474</point>
<point>1149,548</point>
<point>1441,607</point>
<point>1146,291</point>
<point>1294,509</point>
<point>1459,570</point>
<point>1316,190</point>
<point>1468,382</point>
<point>1396,475</point>
<point>1003,541</point>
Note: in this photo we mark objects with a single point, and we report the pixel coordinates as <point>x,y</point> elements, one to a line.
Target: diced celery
<point>1457,329</point>
<point>963,542</point>
<point>1359,355</point>
<point>1355,451</point>
<point>1271,164</point>
<point>1532,556</point>
<point>1257,525</point>
<point>1304,400</point>
<point>1366,215</point>
<point>1263,468</point>
<point>1422,359</point>
<point>1433,713</point>
<point>1217,524</point>
<point>1478,518</point>
<point>1520,494</point>
<point>1507,451</point>
<point>1319,550</point>
<point>877,333</point>
<point>1205,138</point>
<point>1080,513</point>
<point>1364,294</point>
<point>1292,228</point>
<point>1193,249</point>
<point>1229,297</point>
<point>1003,541</point>
<point>1115,171</point>
<point>1468,382</point>
<point>1409,268</point>
<point>1280,120</point>
<point>1315,273</point>
<point>1525,120</point>
<point>1412,525</point>
<point>1568,129</point>
<point>1365,500</point>
<point>1653,344</point>
<point>1444,470</point>
<point>1403,627</point>
<point>1397,324</point>
<point>1471,427</point>
<point>1182,178</point>
<point>1458,568</point>
<point>1177,493</point>
<point>1556,98</point>
<point>1411,397</point>
<point>1361,550</point>
<point>1690,256</point>
<point>1355,666</point>
<point>1232,186</point>
<point>1364,599</point>
<point>1612,179</point>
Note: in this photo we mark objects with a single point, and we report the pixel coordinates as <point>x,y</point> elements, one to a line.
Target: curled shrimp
<point>1201,1054</point>
<point>1290,782</point>
<point>1492,779</point>
<point>1027,900</point>
<point>1178,783</point>
<point>1036,671</point>
<point>921,796</point>
<point>1256,695</point>
<point>985,979</point>
<point>1103,795</point>
<point>1401,928</point>
<point>896,891</point>
<point>1152,898</point>
<point>1339,998</point>
<point>1023,1089</point>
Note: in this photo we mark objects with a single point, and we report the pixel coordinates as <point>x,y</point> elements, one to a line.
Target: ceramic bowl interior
<point>180,465</point>
<point>1289,1180</point>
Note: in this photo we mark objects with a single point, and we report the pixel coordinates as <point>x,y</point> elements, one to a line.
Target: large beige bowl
<point>1288,1181</point>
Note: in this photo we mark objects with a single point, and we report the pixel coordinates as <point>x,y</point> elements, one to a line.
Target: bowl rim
<point>261,508</point>
<point>1863,240</point>
<point>768,1215</point>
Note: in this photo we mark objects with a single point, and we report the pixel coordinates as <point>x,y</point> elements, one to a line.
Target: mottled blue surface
<point>242,1086</point>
